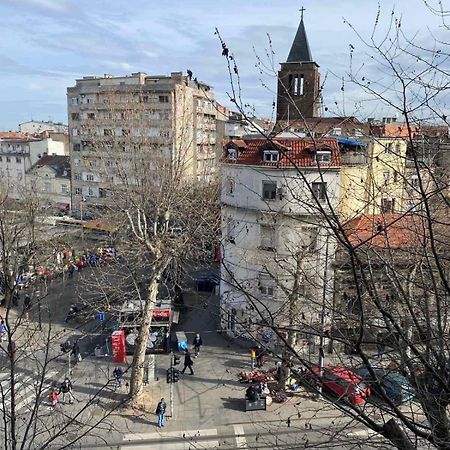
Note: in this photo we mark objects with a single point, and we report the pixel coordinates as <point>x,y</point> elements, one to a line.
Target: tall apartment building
<point>172,114</point>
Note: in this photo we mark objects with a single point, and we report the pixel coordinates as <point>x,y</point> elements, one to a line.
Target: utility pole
<point>173,376</point>
<point>322,320</point>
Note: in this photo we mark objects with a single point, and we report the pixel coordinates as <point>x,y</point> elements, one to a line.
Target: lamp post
<point>83,199</point>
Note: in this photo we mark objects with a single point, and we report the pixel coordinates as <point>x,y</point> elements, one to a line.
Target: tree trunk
<point>396,435</point>
<point>137,366</point>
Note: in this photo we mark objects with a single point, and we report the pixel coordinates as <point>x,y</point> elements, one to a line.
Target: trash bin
<point>181,341</point>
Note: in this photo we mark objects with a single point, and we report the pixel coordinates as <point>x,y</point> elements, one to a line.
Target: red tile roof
<point>386,231</point>
<point>294,152</point>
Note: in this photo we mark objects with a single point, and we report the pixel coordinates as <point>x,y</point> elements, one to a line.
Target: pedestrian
<point>197,343</point>
<point>160,412</point>
<point>380,345</point>
<point>3,331</point>
<point>27,306</point>
<point>118,374</point>
<point>76,352</point>
<point>66,389</point>
<point>71,270</point>
<point>260,356</point>
<point>252,357</point>
<point>15,298</point>
<point>53,398</point>
<point>188,362</point>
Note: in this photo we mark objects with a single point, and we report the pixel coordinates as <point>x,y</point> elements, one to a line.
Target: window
<point>232,154</point>
<point>309,238</point>
<point>77,176</point>
<point>8,159</point>
<point>163,99</point>
<point>267,236</point>
<point>93,163</point>
<point>337,131</point>
<point>269,190</point>
<point>64,189</point>
<point>18,160</point>
<point>109,163</point>
<point>1,158</point>
<point>397,148</point>
<point>386,178</point>
<point>90,192</point>
<point>387,205</point>
<point>319,191</point>
<point>77,191</point>
<point>74,100</point>
<point>76,147</point>
<point>76,162</point>
<point>75,116</point>
<point>231,185</point>
<point>74,131</point>
<point>396,176</point>
<point>414,181</point>
<point>270,155</point>
<point>102,193</point>
<point>107,132</point>
<point>323,156</point>
<point>266,285</point>
<point>145,99</point>
<point>388,147</point>
<point>89,177</point>
<point>125,132</point>
<point>91,116</point>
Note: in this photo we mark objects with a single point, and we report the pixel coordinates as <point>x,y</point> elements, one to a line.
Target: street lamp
<point>83,199</point>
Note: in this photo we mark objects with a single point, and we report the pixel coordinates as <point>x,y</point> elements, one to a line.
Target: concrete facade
<point>109,115</point>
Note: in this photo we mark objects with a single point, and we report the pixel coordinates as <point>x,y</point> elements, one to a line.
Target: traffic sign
<point>101,316</point>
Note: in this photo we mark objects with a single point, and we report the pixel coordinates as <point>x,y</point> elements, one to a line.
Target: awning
<point>345,141</point>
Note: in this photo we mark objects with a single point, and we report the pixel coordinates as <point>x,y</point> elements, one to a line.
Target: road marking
<point>171,440</point>
<point>362,433</point>
<point>241,442</point>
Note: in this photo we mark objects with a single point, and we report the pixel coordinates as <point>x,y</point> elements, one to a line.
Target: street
<point>208,406</point>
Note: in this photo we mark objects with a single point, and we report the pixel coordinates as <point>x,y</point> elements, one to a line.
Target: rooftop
<point>292,152</point>
<point>60,164</point>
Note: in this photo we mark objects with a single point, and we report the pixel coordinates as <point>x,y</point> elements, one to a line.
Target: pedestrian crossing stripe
<point>159,436</point>
<point>26,390</point>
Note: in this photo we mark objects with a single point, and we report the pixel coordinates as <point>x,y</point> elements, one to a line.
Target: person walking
<point>259,356</point>
<point>3,331</point>
<point>118,374</point>
<point>161,412</point>
<point>188,362</point>
<point>197,343</point>
<point>53,398</point>
<point>26,307</point>
<point>76,352</point>
<point>380,345</point>
<point>66,389</point>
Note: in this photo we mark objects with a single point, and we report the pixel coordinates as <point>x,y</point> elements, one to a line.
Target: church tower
<point>298,94</point>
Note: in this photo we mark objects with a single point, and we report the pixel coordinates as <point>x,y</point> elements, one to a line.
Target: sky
<point>45,45</point>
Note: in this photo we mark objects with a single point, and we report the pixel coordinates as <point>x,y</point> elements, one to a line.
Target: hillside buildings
<point>109,117</point>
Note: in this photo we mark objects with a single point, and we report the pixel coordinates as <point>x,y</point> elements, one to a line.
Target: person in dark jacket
<point>259,356</point>
<point>188,362</point>
<point>197,343</point>
<point>76,352</point>
<point>66,389</point>
<point>160,412</point>
<point>26,306</point>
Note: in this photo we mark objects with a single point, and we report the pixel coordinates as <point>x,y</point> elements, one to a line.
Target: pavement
<point>208,407</point>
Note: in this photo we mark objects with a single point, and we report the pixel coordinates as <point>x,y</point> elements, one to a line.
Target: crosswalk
<point>186,440</point>
<point>25,390</point>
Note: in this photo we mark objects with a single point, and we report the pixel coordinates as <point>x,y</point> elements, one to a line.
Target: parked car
<point>86,215</point>
<point>395,385</point>
<point>342,382</point>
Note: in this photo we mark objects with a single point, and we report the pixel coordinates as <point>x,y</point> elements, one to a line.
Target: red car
<point>342,382</point>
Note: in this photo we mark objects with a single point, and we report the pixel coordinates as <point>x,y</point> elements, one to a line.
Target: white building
<point>275,196</point>
<point>38,126</point>
<point>18,153</point>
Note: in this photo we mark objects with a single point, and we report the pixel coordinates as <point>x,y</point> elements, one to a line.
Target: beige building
<point>372,177</point>
<point>49,178</point>
<point>164,115</point>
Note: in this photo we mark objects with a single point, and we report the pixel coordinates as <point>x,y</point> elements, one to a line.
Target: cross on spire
<point>302,10</point>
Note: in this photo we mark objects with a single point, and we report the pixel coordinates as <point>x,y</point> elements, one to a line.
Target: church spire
<point>300,51</point>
